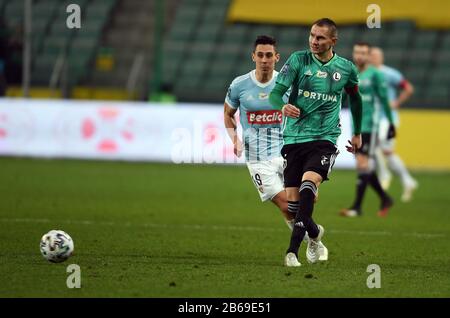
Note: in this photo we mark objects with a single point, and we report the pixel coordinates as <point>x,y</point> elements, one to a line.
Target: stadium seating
<point>406,48</point>
<point>202,51</point>
<point>51,39</point>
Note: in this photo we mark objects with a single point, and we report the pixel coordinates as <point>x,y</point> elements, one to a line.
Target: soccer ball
<point>56,246</point>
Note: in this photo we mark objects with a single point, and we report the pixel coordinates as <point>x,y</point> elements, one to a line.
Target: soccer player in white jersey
<point>262,138</point>
<point>399,91</point>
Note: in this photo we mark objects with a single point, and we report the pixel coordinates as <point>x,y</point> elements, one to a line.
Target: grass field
<point>157,230</point>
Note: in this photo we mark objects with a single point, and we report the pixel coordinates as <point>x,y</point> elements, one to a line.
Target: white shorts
<point>384,143</point>
<point>267,177</point>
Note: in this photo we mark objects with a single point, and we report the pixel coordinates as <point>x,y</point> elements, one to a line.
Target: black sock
<point>303,220</point>
<point>293,208</point>
<point>361,186</point>
<point>375,183</point>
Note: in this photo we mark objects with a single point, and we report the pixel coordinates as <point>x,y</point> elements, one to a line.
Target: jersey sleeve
<point>353,79</point>
<point>289,71</point>
<point>232,97</point>
<point>286,95</point>
<point>396,77</point>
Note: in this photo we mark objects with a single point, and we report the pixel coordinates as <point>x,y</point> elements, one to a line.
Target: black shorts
<point>369,141</point>
<point>317,156</point>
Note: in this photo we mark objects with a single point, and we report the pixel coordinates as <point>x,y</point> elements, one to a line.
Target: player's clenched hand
<point>289,110</point>
<point>355,143</point>
<point>237,148</point>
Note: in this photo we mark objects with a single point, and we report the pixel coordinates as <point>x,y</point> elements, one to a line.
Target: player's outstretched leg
<point>383,172</point>
<point>361,186</point>
<point>386,200</point>
<point>289,210</point>
<point>303,220</point>
<point>293,207</point>
<point>408,182</point>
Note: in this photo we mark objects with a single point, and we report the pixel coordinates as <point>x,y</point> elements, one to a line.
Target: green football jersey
<point>316,88</point>
<point>371,86</point>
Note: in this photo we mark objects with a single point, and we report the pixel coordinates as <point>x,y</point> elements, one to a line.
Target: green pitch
<point>157,230</point>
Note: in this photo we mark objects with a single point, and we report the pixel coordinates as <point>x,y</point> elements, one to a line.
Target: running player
<point>395,83</point>
<point>317,78</point>
<point>261,125</point>
<point>372,85</point>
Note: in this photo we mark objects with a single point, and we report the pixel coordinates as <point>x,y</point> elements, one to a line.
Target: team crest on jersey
<point>337,76</point>
<point>263,96</point>
<point>321,74</point>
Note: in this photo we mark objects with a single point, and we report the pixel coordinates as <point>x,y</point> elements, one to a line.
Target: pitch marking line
<point>218,227</point>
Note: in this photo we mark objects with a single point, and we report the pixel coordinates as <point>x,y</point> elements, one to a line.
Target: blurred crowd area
<point>186,50</point>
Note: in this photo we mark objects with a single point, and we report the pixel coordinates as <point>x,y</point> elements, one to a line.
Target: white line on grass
<point>217,227</point>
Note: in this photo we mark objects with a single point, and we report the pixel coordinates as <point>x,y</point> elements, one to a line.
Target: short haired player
<point>262,138</point>
<point>316,78</point>
<point>399,91</point>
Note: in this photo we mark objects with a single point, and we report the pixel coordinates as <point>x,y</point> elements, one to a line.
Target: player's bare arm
<point>356,110</point>
<point>407,90</point>
<point>231,126</point>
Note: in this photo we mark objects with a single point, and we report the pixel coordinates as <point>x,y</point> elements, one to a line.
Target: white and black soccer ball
<point>56,246</point>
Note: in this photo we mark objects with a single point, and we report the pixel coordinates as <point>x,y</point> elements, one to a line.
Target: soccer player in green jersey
<point>262,137</point>
<point>372,86</point>
<point>317,78</point>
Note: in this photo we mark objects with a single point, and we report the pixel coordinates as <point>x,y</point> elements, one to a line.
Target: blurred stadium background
<point>190,50</point>
<point>134,81</point>
<point>131,49</point>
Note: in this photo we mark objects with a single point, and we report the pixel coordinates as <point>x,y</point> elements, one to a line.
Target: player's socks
<point>361,186</point>
<point>375,183</point>
<point>397,165</point>
<point>293,207</point>
<point>292,210</point>
<point>303,220</point>
<point>383,171</point>
<point>296,237</point>
<point>311,227</point>
<point>386,204</point>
